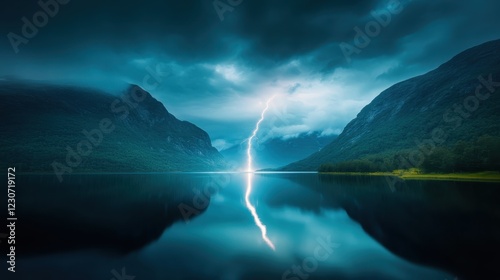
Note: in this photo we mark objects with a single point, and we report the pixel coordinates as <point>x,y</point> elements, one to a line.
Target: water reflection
<point>421,230</point>
<point>451,225</point>
<point>115,213</point>
<point>253,211</point>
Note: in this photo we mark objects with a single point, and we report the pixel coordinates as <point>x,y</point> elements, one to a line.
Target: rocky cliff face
<point>183,136</point>
<point>408,112</point>
<point>46,127</point>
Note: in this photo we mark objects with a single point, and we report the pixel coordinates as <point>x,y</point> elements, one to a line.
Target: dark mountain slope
<point>83,130</point>
<point>408,112</point>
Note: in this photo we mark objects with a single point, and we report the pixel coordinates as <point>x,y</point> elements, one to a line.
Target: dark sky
<point>219,73</point>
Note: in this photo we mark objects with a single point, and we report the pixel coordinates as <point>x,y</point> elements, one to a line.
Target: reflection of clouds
<point>228,246</point>
<point>217,198</point>
<point>306,226</point>
<point>223,243</point>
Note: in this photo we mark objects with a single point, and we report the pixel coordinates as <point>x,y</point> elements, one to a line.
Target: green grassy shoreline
<point>486,176</point>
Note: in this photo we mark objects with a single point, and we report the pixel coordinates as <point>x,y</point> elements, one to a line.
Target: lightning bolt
<point>250,171</point>
<point>254,133</point>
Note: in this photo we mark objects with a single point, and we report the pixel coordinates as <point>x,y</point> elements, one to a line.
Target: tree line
<point>482,154</point>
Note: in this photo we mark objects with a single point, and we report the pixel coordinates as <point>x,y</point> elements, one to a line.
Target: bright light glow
<point>229,72</point>
<point>249,205</point>
<point>253,211</point>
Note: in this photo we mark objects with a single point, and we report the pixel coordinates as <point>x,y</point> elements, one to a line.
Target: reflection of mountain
<point>449,225</point>
<point>43,124</point>
<point>277,152</point>
<point>115,213</point>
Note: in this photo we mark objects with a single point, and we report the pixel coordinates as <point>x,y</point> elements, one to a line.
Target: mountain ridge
<point>50,125</point>
<point>411,109</point>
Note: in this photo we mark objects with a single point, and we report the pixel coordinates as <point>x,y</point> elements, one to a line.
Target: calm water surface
<point>259,226</point>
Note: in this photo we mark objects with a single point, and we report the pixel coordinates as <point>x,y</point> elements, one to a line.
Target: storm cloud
<point>219,73</point>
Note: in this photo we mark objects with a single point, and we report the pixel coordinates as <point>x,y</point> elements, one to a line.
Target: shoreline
<point>486,176</point>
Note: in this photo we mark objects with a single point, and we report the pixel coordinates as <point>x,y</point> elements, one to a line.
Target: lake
<point>254,226</point>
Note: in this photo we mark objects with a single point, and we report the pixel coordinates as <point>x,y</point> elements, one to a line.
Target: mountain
<point>276,152</point>
<point>448,108</point>
<point>63,129</point>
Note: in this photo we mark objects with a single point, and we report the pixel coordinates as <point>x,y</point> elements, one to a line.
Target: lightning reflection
<point>250,171</point>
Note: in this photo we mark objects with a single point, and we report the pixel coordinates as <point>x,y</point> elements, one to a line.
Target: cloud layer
<point>218,74</point>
